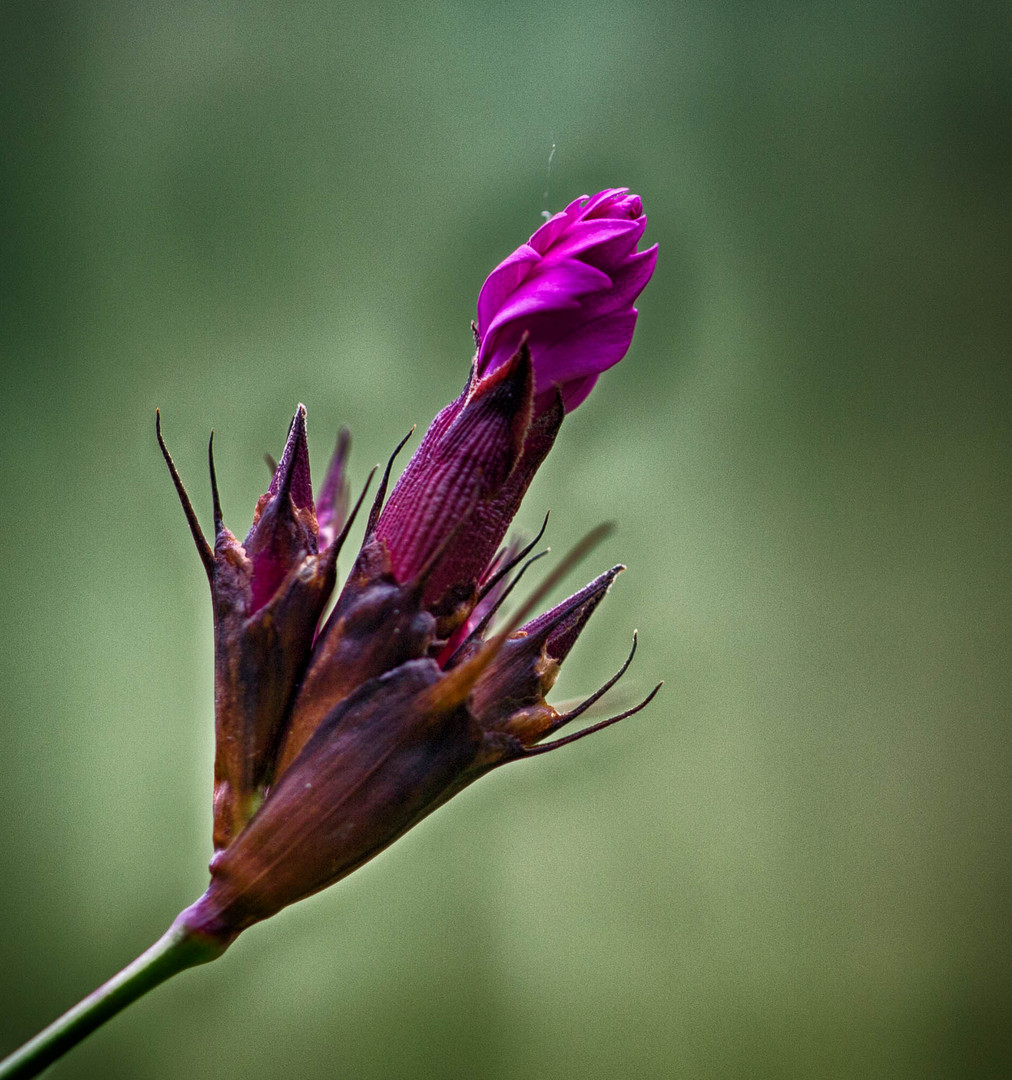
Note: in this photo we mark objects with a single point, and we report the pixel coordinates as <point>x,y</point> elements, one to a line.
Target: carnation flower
<point>333,738</point>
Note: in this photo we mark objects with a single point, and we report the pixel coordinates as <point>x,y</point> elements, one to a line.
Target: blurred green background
<point>796,863</point>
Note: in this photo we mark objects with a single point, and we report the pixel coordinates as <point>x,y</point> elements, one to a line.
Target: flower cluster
<point>335,736</point>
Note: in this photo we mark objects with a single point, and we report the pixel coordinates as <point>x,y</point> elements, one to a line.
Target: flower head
<point>333,737</point>
<point>571,290</point>
<point>551,318</point>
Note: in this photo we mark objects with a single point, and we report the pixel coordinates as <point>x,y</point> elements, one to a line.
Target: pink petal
<point>543,239</point>
<point>575,208</point>
<point>576,391</point>
<point>592,348</point>
<point>502,281</point>
<point>585,236</point>
<point>600,204</point>
<point>627,283</point>
<point>552,286</point>
<point>612,252</point>
<point>620,206</point>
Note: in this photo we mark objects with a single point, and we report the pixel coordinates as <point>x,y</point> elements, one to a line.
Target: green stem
<point>179,948</point>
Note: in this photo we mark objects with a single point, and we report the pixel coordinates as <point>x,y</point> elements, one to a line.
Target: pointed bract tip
<point>334,549</point>
<point>593,699</point>
<point>457,683</point>
<point>497,602</point>
<point>203,547</point>
<point>576,554</point>
<point>215,498</point>
<point>499,572</point>
<point>561,626</point>
<point>545,748</point>
<point>292,473</point>
<point>333,496</point>
<point>381,491</point>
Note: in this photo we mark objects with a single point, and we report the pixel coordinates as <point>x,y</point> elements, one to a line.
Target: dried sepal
<point>376,763</point>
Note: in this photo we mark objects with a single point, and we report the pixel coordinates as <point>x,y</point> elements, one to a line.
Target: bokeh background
<point>796,863</point>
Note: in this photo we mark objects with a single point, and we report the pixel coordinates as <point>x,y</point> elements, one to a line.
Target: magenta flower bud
<point>560,307</point>
<point>571,289</point>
